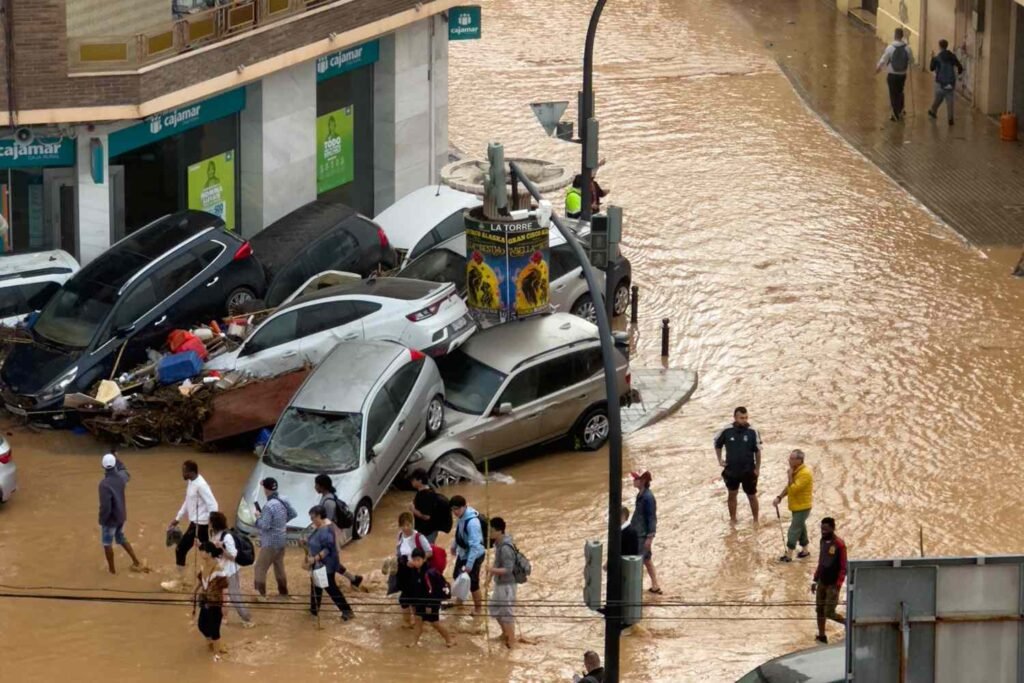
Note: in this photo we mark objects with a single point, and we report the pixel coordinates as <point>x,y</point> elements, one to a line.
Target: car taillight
<point>244,252</point>
<point>629,379</point>
<point>5,458</point>
<point>415,355</point>
<point>425,313</point>
<point>383,237</point>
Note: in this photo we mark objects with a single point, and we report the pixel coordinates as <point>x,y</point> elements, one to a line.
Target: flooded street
<point>800,282</point>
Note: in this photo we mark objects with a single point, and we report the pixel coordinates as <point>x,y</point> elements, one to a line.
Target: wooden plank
<point>251,406</point>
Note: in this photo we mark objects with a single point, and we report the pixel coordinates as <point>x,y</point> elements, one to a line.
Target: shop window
<point>345,147</point>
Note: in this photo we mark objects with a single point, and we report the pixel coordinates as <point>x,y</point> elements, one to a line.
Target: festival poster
<point>211,187</point>
<point>335,151</point>
<point>507,273</point>
<point>528,270</point>
<point>486,271</point>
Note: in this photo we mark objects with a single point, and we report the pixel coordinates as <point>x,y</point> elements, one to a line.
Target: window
<point>400,385</point>
<point>73,316</point>
<point>37,294</point>
<point>469,384</point>
<point>365,308</point>
<point>451,226</point>
<point>314,442</point>
<point>340,251</point>
<point>325,316</point>
<point>178,270</point>
<point>587,363</point>
<point>382,415</point>
<point>429,240</point>
<point>139,301</point>
<point>24,299</point>
<point>438,265</point>
<point>276,331</point>
<point>563,260</point>
<point>522,389</point>
<point>207,252</point>
<point>556,374</point>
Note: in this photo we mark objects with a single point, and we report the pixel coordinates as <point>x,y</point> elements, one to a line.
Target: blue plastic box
<point>179,367</point>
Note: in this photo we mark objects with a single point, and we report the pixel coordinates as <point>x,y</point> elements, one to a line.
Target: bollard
<point>634,303</point>
<point>664,337</point>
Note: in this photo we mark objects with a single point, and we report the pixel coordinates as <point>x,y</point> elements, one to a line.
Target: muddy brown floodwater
<point>800,283</point>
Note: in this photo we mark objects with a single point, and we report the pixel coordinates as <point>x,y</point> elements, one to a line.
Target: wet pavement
<point>800,282</point>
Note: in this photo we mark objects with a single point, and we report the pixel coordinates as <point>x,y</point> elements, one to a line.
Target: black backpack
<point>945,75</point>
<point>438,587</point>
<point>900,59</point>
<point>485,527</point>
<point>243,544</point>
<point>343,517</point>
<point>443,510</point>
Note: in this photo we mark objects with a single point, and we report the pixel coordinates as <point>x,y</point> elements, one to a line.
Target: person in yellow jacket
<point>799,490</point>
<point>574,198</point>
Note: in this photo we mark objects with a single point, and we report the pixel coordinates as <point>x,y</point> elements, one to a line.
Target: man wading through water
<point>829,577</point>
<point>742,463</point>
<point>798,492</point>
<point>114,511</point>
<point>199,503</point>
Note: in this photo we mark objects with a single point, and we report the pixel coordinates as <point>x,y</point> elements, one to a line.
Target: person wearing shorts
<point>828,577</point>
<point>742,463</point>
<point>114,512</point>
<point>645,523</point>
<point>468,547</point>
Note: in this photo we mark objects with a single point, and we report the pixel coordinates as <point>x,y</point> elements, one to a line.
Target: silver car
<point>8,472</point>
<point>356,418</point>
<point>517,385</point>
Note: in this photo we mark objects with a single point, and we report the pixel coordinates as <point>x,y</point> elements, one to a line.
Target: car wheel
<point>584,308</point>
<point>363,520</point>
<point>238,297</point>
<point>621,297</point>
<point>435,416</point>
<point>450,469</point>
<point>592,430</point>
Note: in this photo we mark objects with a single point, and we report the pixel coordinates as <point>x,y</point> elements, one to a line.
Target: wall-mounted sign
<point>338,63</point>
<point>211,187</point>
<point>168,123</point>
<point>335,151</point>
<point>464,23</point>
<point>39,152</point>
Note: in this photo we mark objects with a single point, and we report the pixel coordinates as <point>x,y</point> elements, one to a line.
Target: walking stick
<point>778,516</point>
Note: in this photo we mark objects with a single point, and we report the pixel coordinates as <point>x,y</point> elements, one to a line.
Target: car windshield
<point>469,384</point>
<point>73,315</point>
<point>314,442</point>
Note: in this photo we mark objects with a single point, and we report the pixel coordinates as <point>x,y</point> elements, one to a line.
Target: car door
<point>565,277</point>
<point>567,387</point>
<point>273,348</point>
<point>521,426</point>
<point>323,325</point>
<point>395,424</point>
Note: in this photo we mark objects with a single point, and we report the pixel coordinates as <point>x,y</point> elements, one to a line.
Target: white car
<point>426,316</point>
<point>8,472</point>
<point>27,281</point>
<point>424,218</point>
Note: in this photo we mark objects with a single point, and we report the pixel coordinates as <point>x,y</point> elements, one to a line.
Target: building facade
<point>987,36</point>
<point>247,109</point>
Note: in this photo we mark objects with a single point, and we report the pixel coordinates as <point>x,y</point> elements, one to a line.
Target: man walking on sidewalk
<point>946,67</point>
<point>798,491</point>
<point>829,577</point>
<point>199,503</point>
<point>898,58</point>
<point>742,464</point>
<point>114,511</point>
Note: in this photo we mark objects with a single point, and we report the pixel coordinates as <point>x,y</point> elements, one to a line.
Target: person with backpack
<point>468,547</point>
<point>272,522</point>
<point>114,511</point>
<point>432,510</point>
<point>199,503</point>
<point>408,540</point>
<point>323,550</point>
<point>897,59</point>
<point>340,517</point>
<point>429,589</point>
<point>507,573</point>
<point>946,67</point>
<point>228,562</point>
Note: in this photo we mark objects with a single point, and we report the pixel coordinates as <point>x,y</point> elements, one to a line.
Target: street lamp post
<point>586,107</point>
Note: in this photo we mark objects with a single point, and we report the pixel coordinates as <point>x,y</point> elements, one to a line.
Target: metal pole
<point>613,595</point>
<point>634,305</point>
<point>664,337</point>
<point>586,112</point>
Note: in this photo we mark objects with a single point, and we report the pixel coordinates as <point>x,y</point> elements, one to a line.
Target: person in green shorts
<point>798,492</point>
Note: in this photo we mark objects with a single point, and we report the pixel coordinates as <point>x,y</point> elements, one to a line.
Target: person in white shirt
<point>896,59</point>
<point>199,503</point>
<point>222,538</point>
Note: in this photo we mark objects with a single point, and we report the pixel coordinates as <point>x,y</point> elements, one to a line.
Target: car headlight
<point>244,513</point>
<point>58,386</point>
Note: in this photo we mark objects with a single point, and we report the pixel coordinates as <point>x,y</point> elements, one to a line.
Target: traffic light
<point>632,589</point>
<point>598,249</point>
<point>593,553</point>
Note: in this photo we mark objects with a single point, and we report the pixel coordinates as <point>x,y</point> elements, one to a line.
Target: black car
<point>178,270</point>
<point>317,237</point>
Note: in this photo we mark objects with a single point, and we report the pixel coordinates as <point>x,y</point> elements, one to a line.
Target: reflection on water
<point>799,283</point>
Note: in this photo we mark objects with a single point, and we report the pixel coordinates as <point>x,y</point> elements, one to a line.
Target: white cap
<point>109,461</point>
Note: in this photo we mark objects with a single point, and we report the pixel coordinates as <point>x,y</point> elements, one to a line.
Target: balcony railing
<point>192,30</point>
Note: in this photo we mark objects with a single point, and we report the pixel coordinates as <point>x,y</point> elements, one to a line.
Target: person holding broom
<point>798,493</point>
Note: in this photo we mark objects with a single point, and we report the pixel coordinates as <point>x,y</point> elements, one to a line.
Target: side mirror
<point>377,448</point>
<point>583,276</point>
<point>504,409</point>
<point>124,331</point>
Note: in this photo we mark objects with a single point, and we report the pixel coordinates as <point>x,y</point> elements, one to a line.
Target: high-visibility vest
<point>573,201</point>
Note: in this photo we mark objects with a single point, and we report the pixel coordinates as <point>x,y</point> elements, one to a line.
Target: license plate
<point>16,410</point>
<point>458,324</point>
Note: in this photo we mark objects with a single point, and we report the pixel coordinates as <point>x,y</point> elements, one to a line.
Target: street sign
<point>464,23</point>
<point>549,114</point>
<point>598,248</point>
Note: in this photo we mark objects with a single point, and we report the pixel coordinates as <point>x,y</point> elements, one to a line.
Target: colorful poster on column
<point>211,187</point>
<point>335,153</point>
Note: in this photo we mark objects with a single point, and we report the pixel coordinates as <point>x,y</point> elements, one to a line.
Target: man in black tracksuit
<point>742,463</point>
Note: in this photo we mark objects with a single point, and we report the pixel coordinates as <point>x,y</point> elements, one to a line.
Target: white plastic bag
<point>460,589</point>
<point>320,577</point>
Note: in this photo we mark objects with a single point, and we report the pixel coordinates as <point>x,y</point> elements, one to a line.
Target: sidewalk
<point>964,174</point>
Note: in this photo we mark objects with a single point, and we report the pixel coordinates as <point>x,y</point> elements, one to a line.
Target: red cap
<point>641,475</point>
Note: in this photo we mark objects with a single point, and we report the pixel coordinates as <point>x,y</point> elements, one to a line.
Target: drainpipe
<point>430,82</point>
<point>923,33</point>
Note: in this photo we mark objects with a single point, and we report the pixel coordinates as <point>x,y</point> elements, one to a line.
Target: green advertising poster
<point>335,153</point>
<point>211,187</point>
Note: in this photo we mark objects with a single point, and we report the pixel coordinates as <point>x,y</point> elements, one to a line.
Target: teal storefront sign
<point>338,63</point>
<point>464,23</point>
<point>175,121</point>
<point>39,152</point>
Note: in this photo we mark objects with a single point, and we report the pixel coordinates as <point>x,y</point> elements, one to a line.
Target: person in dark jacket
<point>946,67</point>
<point>592,666</point>
<point>829,577</point>
<point>645,522</point>
<point>324,550</point>
<point>114,511</point>
<point>630,541</point>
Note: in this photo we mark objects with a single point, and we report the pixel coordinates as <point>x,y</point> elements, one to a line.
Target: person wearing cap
<point>272,522</point>
<point>114,511</point>
<point>645,522</point>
